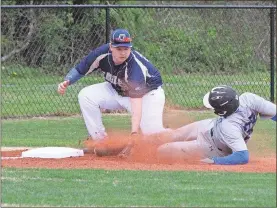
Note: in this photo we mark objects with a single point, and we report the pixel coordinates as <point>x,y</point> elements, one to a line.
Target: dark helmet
<point>223,99</point>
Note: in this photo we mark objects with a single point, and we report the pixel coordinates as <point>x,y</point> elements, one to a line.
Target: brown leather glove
<point>104,147</point>
<point>109,147</point>
<point>89,145</point>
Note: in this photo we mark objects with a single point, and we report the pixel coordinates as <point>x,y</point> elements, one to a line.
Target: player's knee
<point>148,129</point>
<point>83,97</point>
<point>164,151</point>
<point>81,94</point>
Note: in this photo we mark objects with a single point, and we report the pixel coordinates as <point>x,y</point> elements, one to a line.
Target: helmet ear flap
<point>227,109</point>
<point>220,112</point>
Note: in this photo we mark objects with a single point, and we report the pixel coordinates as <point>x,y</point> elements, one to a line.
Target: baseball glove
<point>104,147</point>
<point>89,145</point>
<point>127,150</point>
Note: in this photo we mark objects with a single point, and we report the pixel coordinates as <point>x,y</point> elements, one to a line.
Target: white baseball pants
<point>104,96</point>
<point>190,142</point>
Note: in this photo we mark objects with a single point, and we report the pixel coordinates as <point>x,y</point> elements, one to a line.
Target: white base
<point>53,152</point>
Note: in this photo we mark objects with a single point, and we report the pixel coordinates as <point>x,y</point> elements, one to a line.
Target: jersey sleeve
<point>90,62</point>
<point>265,108</point>
<point>236,158</point>
<point>233,138</point>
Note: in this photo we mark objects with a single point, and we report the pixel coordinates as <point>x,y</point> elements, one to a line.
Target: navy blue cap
<point>121,37</point>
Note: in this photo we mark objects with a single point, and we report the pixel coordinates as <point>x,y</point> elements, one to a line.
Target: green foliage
<point>52,24</point>
<point>175,40</point>
<point>193,48</point>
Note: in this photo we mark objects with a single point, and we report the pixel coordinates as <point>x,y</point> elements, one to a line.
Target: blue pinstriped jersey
<point>133,78</point>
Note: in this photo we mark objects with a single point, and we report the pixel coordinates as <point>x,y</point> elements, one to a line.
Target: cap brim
<point>206,101</point>
<point>129,45</point>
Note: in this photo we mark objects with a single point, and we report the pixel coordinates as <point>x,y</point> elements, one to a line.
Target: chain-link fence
<point>195,48</point>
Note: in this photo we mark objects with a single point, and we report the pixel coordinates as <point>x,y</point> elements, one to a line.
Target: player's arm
<point>137,89</point>
<point>89,63</point>
<point>136,114</point>
<point>265,108</point>
<point>136,107</point>
<point>136,84</point>
<point>136,111</point>
<point>234,140</point>
<point>236,158</point>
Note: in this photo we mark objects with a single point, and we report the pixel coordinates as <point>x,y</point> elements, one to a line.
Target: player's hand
<point>62,87</point>
<point>208,160</point>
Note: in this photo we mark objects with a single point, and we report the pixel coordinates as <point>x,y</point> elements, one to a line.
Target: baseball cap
<point>121,37</point>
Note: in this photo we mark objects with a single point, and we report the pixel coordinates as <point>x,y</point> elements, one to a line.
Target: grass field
<point>67,131</point>
<point>29,92</point>
<point>89,187</point>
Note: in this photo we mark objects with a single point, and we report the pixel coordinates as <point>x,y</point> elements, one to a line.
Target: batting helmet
<point>223,99</point>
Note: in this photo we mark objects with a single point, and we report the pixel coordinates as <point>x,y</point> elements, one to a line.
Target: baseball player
<point>221,140</point>
<point>131,83</point>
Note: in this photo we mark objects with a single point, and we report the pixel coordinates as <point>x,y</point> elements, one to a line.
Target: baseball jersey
<point>231,134</point>
<point>133,78</point>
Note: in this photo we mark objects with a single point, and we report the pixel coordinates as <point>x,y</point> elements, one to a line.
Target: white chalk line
<point>16,148</point>
<point>10,158</point>
<point>13,149</point>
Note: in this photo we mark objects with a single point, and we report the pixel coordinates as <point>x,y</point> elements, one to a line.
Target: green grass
<point>263,140</point>
<point>87,187</point>
<point>40,187</point>
<point>54,131</point>
<point>39,132</point>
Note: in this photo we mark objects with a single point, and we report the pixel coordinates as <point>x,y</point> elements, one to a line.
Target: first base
<point>53,152</point>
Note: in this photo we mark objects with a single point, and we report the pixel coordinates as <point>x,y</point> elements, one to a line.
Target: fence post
<point>272,45</point>
<point>107,24</point>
